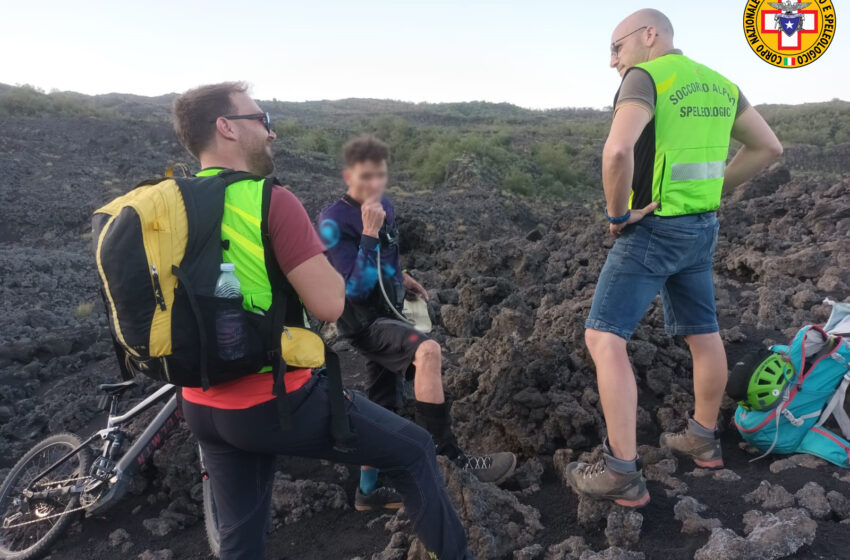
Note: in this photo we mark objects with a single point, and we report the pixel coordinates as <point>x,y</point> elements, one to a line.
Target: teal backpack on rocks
<point>821,360</point>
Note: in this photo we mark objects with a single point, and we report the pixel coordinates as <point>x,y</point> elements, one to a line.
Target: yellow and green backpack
<point>159,250</point>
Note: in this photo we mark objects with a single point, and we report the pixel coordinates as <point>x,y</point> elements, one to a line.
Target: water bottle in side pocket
<point>230,328</point>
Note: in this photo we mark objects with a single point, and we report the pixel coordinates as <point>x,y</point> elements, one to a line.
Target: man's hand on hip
<point>636,216</point>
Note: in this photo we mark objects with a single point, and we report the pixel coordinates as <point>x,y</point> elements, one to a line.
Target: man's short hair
<point>364,148</point>
<point>196,111</point>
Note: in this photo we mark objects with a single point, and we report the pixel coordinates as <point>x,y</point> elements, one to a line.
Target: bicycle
<point>57,479</point>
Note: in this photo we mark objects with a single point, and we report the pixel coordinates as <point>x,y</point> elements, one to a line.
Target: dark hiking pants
<point>240,446</point>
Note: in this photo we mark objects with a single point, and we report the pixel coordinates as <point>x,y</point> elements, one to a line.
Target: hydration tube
<point>384,292</point>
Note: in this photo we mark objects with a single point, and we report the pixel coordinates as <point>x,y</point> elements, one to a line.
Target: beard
<point>260,160</point>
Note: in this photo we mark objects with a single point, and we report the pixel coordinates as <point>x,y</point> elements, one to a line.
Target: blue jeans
<point>672,256</point>
<point>240,446</point>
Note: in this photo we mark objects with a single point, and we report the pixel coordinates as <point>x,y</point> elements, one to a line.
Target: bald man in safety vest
<point>663,170</point>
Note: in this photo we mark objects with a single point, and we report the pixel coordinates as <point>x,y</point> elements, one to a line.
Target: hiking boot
<point>705,451</point>
<point>496,467</point>
<point>382,497</point>
<point>598,481</point>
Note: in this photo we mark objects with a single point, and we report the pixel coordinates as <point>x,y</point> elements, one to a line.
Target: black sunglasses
<point>615,48</point>
<point>264,118</point>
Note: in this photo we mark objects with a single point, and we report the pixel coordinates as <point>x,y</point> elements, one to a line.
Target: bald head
<point>646,17</point>
<point>641,36</point>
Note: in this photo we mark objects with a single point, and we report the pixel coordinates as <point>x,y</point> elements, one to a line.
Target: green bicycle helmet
<point>759,379</point>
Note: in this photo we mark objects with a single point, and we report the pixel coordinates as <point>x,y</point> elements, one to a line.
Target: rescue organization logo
<point>789,34</point>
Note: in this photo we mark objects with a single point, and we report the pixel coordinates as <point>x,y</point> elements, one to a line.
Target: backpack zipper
<point>157,289</point>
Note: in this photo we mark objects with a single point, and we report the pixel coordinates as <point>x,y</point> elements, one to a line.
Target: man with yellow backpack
<point>206,281</point>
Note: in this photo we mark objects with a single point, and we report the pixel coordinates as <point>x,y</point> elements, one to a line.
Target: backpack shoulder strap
<point>285,303</point>
<point>835,406</point>
<point>279,310</point>
<point>276,276</point>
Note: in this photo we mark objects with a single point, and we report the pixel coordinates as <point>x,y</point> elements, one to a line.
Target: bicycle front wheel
<point>29,526</point>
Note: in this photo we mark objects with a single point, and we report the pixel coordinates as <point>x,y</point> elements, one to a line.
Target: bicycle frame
<point>139,452</point>
<point>142,448</point>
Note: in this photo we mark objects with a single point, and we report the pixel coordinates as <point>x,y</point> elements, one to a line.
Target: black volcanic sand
<point>511,279</point>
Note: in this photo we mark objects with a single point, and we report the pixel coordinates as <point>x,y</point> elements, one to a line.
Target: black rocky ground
<point>512,281</point>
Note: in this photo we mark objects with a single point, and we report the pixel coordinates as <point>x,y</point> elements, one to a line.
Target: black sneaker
<point>496,467</point>
<point>382,497</point>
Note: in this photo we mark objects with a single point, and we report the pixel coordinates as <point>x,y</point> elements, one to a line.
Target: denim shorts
<point>671,256</point>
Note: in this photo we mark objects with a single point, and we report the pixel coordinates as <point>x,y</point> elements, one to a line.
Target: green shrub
<point>518,181</point>
<point>28,101</point>
<point>821,124</point>
<point>315,141</point>
<point>288,129</point>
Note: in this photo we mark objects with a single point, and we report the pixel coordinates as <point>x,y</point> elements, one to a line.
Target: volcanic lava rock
<point>524,386</point>
<point>770,496</point>
<point>530,552</point>
<point>623,527</point>
<point>613,553</point>
<point>160,526</point>
<point>163,554</point>
<point>470,171</point>
<point>812,496</point>
<point>513,280</point>
<point>177,462</point>
<point>687,510</point>
<point>529,474</point>
<point>570,549</point>
<point>763,185</point>
<point>120,539</point>
<point>659,466</point>
<point>721,475</point>
<point>794,461</point>
<point>294,500</point>
<point>560,460</point>
<point>839,503</point>
<point>397,548</point>
<point>496,522</point>
<point>769,536</point>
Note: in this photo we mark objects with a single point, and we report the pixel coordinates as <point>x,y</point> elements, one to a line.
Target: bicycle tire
<point>211,519</point>
<point>42,544</point>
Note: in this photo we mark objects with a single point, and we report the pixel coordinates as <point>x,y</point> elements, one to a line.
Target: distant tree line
<point>551,159</point>
<point>29,101</point>
<point>552,153</point>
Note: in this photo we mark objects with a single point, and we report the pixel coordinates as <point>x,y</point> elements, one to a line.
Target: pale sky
<point>533,53</point>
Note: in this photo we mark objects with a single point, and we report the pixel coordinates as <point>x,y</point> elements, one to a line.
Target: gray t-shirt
<point>638,88</point>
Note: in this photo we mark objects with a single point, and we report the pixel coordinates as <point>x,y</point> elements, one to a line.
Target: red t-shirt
<point>295,241</point>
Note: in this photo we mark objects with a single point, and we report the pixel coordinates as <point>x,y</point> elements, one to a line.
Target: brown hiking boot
<point>598,481</point>
<point>704,451</point>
